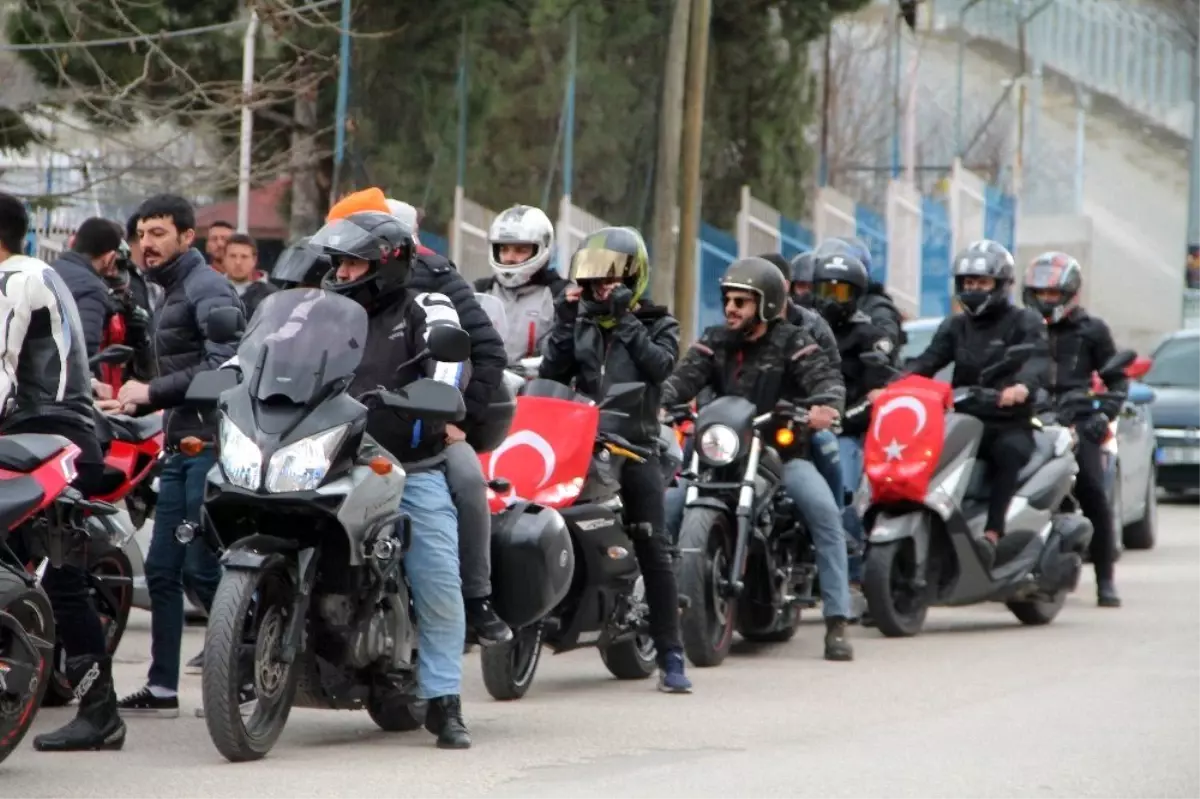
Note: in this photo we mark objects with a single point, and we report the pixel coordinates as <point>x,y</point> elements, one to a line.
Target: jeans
<point>824,452</point>
<point>808,489</point>
<point>180,495</point>
<point>641,490</point>
<point>851,457</point>
<point>464,474</point>
<point>431,566</point>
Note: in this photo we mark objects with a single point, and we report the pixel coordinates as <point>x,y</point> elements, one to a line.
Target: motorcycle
<point>929,494</point>
<point>561,484</point>
<point>305,507</point>
<point>746,559</point>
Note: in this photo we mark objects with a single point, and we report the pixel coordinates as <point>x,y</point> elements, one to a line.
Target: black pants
<point>1089,490</point>
<point>1006,448</point>
<point>78,624</point>
<point>642,493</point>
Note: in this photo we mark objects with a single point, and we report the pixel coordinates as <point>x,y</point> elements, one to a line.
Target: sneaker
<point>488,626</point>
<point>195,665</point>
<point>671,679</point>
<point>144,703</point>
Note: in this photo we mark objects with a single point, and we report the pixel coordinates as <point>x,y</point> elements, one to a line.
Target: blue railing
<point>1000,223</point>
<point>872,229</point>
<point>436,243</point>
<point>936,240</point>
<point>717,250</point>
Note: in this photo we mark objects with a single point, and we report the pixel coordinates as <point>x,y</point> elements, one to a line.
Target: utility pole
<point>687,263</point>
<point>246,142</point>
<point>666,172</point>
<point>343,94</point>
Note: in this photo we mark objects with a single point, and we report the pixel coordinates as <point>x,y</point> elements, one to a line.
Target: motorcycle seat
<point>135,428</point>
<point>25,452</point>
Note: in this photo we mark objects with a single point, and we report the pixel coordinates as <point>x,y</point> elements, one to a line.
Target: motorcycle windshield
<point>299,342</point>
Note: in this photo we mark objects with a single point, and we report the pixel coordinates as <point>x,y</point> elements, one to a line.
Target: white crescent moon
<point>896,403</point>
<point>526,438</point>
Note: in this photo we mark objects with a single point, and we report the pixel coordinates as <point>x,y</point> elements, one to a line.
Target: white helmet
<point>405,213</point>
<point>521,224</point>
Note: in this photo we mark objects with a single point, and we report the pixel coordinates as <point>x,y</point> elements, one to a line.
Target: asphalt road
<point>1101,703</point>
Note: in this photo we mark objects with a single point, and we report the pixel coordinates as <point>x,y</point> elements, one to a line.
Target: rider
<point>877,303</point>
<point>520,243</point>
<point>605,333</point>
<point>372,255</point>
<point>839,286</point>
<point>1079,345</point>
<point>801,279</point>
<point>45,387</point>
<point>988,325</point>
<point>759,356</point>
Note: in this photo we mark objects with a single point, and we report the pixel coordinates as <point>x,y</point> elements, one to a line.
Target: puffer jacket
<point>191,291</point>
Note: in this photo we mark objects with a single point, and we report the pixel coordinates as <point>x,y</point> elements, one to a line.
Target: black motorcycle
<point>313,609</point>
<point>746,559</point>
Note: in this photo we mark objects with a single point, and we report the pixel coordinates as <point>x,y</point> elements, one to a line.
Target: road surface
<point>1101,703</point>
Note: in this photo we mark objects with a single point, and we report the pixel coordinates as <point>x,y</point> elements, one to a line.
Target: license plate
<point>1187,454</point>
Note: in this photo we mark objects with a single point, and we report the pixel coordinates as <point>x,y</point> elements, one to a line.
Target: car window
<point>1176,364</point>
<point>918,341</point>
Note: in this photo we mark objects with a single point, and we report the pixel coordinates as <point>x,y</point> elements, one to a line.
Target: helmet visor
<point>838,292</point>
<point>1044,276</point>
<point>600,264</point>
<point>342,238</point>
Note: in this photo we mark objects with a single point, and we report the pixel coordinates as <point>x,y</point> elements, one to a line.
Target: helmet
<point>802,268</point>
<point>984,258</point>
<point>612,253</point>
<point>845,245</point>
<point>1055,271</point>
<point>839,282</point>
<point>300,266</point>
<point>785,271</point>
<point>521,224</point>
<point>380,239</point>
<point>761,277</point>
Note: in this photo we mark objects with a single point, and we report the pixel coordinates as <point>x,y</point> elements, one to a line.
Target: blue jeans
<point>851,456</point>
<point>824,453</point>
<point>807,488</point>
<point>180,495</point>
<point>431,566</point>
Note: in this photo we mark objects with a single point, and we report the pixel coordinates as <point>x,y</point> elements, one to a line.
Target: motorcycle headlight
<point>241,459</point>
<point>302,465</point>
<point>719,444</point>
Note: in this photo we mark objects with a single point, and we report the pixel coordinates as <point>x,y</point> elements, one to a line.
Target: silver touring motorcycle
<point>313,609</point>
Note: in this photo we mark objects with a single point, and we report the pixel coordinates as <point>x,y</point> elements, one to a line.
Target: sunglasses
<point>738,302</point>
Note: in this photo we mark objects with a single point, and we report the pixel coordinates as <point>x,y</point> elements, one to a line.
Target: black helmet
<point>839,282</point>
<point>845,245</point>
<point>761,277</point>
<point>1055,271</point>
<point>802,268</point>
<point>984,258</point>
<point>300,266</point>
<point>380,239</point>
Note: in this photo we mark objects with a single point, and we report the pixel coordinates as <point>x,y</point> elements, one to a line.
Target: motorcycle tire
<point>879,587</point>
<point>393,711</point>
<point>631,659</point>
<point>508,668</point>
<point>29,607</point>
<point>1038,612</point>
<point>249,607</point>
<point>706,541</point>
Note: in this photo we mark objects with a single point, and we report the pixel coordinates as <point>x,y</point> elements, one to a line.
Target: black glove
<point>565,309</point>
<point>620,299</point>
<point>1094,428</point>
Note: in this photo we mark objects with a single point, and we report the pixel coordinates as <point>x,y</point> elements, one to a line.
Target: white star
<point>894,450</point>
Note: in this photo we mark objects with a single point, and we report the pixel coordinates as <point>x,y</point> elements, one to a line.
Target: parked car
<point>1131,473</point>
<point>1173,372</point>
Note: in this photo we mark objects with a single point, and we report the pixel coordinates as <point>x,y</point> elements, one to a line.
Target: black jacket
<point>191,291</point>
<point>1079,345</point>
<point>974,343</point>
<point>856,336</point>
<point>641,348</point>
<point>396,332</point>
<point>92,296</point>
<point>435,274</point>
<point>253,295</point>
<point>811,321</point>
<point>878,305</point>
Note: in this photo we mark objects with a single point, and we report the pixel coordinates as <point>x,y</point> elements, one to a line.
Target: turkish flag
<point>547,453</point>
<point>904,440</point>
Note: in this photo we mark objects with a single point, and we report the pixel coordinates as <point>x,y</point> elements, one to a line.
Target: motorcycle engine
<point>386,635</point>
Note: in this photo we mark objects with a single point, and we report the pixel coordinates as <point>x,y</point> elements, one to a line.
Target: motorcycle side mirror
<point>113,354</point>
<point>1114,368</point>
<point>449,344</point>
<point>1141,394</point>
<point>622,395</point>
<point>225,325</point>
<point>1139,368</point>
<point>206,388</point>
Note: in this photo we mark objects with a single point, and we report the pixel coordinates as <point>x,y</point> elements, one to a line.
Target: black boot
<point>444,719</point>
<point>489,628</point>
<point>97,725</point>
<point>1106,594</point>
<point>836,645</point>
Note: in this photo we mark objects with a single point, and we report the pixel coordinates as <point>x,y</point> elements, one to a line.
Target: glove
<point>566,309</point>
<point>1094,429</point>
<point>620,299</point>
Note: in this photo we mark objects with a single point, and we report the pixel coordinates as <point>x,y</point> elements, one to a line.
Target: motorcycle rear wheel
<point>1038,612</point>
<point>706,540</point>
<point>247,624</point>
<point>883,576</point>
<point>30,607</point>
<point>508,668</point>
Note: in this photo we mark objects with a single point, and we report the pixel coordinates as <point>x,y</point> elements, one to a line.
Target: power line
<point>147,37</point>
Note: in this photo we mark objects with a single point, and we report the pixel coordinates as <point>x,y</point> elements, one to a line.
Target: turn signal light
<point>380,465</point>
<point>784,437</point>
<point>191,446</point>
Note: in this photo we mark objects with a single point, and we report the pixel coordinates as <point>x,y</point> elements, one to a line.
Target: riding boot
<point>97,724</point>
<point>1106,594</point>
<point>836,645</point>
<point>444,719</point>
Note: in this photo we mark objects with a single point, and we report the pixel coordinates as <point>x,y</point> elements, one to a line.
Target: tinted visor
<point>342,238</point>
<point>299,264</point>
<point>1044,276</point>
<point>600,264</point>
<point>838,292</point>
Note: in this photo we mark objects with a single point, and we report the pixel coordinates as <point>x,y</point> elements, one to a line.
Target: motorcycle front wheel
<point>897,607</point>
<point>26,624</point>
<point>246,629</point>
<point>706,540</point>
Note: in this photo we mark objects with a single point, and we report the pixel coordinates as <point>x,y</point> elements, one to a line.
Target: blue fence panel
<point>872,229</point>
<point>436,243</point>
<point>999,222</point>
<point>717,249</point>
<point>935,257</point>
<point>794,238</point>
